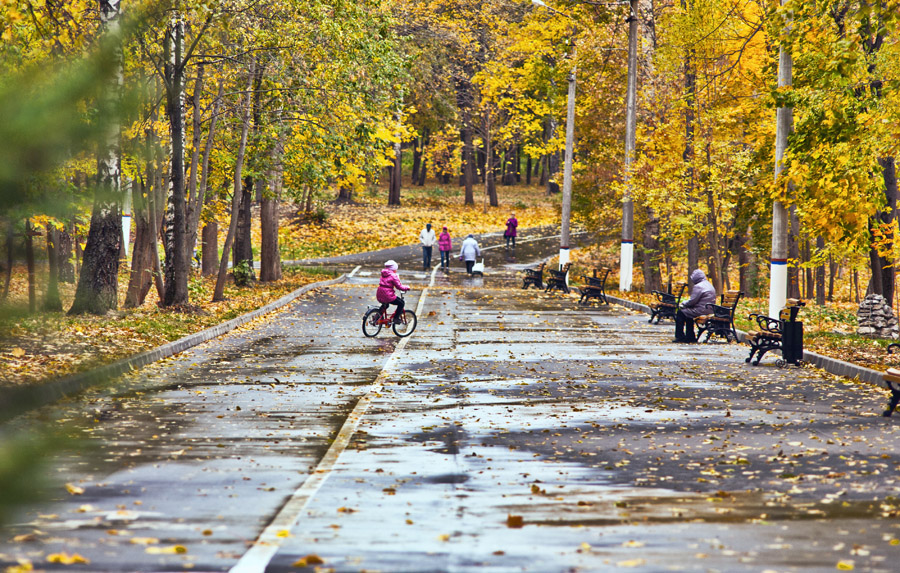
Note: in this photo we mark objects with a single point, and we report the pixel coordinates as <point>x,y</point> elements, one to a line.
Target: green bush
<point>243,273</point>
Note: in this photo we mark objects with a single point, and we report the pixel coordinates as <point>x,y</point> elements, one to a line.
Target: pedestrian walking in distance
<point>427,238</point>
<point>510,233</point>
<point>702,294</point>
<point>469,252</point>
<point>445,245</point>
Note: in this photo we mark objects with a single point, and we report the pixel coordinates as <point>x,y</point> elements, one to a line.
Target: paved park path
<point>514,431</point>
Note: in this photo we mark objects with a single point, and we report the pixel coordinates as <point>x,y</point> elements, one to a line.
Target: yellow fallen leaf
<point>166,550</point>
<point>845,566</point>
<point>17,352</point>
<point>74,489</point>
<point>514,521</point>
<point>66,559</point>
<point>443,537</point>
<point>631,563</point>
<point>24,566</point>
<point>633,544</point>
<point>144,540</point>
<point>283,533</point>
<point>311,559</point>
<point>25,537</point>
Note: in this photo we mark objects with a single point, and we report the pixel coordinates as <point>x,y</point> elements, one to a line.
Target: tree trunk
<point>528,170</point>
<point>64,256</point>
<point>746,264</point>
<point>29,263</point>
<point>270,256</point>
<point>518,165</point>
<point>417,157</point>
<point>177,258</point>
<point>693,256</point>
<point>810,279</point>
<point>209,248</point>
<point>820,274</point>
<point>394,191</point>
<point>243,245</point>
<point>219,292</point>
<point>794,255</point>
<point>141,264</point>
<point>652,276</point>
<point>469,165</point>
<point>10,249</point>
<point>345,194</point>
<point>52,302</point>
<point>490,166</point>
<point>98,279</point>
<point>210,257</point>
<point>423,172</point>
<point>243,240</point>
<point>97,290</point>
<point>552,158</point>
<point>832,271</point>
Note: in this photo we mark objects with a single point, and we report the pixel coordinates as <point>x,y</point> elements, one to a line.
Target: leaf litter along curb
<point>50,345</point>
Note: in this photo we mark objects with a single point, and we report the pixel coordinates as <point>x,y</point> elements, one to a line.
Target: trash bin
<point>792,338</point>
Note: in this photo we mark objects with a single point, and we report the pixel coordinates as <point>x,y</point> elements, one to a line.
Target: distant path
<point>414,251</point>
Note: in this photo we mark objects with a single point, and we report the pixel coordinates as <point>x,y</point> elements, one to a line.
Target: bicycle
<point>375,318</point>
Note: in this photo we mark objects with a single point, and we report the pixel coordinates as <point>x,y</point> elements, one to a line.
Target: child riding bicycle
<point>385,295</point>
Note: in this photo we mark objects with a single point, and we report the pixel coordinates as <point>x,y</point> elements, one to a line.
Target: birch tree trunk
<point>176,269</point>
<point>98,279</point>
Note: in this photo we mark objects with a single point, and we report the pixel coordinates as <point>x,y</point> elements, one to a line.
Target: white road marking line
<point>353,272</point>
<point>258,557</point>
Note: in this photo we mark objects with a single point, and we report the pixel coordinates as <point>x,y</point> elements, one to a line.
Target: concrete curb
<point>18,400</point>
<point>826,363</point>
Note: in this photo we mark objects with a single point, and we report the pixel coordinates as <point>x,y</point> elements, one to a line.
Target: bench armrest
<point>665,297</point>
<point>767,323</point>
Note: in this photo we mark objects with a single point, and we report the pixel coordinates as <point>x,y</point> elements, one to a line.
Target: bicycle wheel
<point>371,326</point>
<point>406,327</point>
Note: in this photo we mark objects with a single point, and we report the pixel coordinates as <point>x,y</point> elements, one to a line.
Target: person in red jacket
<point>445,244</point>
<point>510,234</point>
<point>385,294</point>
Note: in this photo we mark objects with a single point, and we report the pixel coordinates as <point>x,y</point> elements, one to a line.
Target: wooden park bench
<point>595,287</point>
<point>770,331</point>
<point>666,304</point>
<point>557,279</point>
<point>721,320</point>
<point>534,277</point>
<point>892,381</point>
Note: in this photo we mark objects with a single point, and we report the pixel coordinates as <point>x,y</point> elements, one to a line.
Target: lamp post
<point>626,257</point>
<point>570,145</point>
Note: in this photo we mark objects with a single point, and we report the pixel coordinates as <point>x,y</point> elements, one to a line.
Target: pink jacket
<point>389,281</point>
<point>444,242</point>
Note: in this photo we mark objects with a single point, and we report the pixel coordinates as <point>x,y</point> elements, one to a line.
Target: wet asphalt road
<point>512,432</point>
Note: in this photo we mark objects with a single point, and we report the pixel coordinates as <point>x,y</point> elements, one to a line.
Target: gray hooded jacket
<point>702,294</point>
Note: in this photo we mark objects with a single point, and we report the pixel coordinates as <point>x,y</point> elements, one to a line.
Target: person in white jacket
<point>428,239</point>
<point>469,252</point>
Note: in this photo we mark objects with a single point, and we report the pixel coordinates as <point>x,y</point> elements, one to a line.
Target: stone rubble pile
<point>876,318</point>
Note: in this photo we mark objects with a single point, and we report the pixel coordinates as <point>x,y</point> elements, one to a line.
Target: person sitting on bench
<point>702,294</point>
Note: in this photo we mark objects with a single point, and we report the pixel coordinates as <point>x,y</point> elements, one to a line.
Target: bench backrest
<point>565,268</point>
<point>681,289</point>
<point>540,267</point>
<point>730,299</point>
